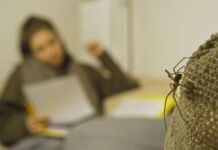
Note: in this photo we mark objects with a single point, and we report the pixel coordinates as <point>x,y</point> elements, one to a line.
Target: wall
<point>13,13</point>
<point>161,33</point>
<point>104,21</point>
<point>164,31</point>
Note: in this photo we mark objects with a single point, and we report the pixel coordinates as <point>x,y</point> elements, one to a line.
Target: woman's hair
<point>31,26</point>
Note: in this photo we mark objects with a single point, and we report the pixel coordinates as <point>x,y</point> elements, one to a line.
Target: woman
<point>45,57</point>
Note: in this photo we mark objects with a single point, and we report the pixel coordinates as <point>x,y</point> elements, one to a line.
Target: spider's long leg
<point>194,134</point>
<point>171,86</point>
<point>180,69</point>
<point>165,122</point>
<point>180,112</point>
<point>174,68</point>
<point>170,74</point>
<point>180,85</point>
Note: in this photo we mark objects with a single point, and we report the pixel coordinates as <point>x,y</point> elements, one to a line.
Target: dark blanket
<point>104,134</point>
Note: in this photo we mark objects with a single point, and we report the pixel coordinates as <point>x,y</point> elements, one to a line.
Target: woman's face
<point>46,47</point>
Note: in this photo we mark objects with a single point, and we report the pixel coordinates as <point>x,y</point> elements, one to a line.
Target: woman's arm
<point>13,113</point>
<point>13,127</point>
<point>112,79</point>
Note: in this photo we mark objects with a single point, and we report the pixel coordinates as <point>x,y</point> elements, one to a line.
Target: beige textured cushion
<point>198,103</point>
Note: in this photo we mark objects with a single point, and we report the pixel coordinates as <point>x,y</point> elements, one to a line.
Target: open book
<point>63,100</point>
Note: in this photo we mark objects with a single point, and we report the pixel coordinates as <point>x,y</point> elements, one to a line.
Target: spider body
<point>176,77</point>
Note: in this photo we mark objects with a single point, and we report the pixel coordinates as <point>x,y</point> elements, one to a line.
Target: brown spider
<point>176,76</point>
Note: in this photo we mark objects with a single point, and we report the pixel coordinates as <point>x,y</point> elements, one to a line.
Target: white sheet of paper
<point>63,99</point>
<point>130,108</point>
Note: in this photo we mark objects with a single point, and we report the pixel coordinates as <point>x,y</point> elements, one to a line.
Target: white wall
<point>14,12</point>
<point>94,25</point>
<point>164,31</point>
<point>106,22</point>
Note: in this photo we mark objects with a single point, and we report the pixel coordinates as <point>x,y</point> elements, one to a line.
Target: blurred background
<point>145,36</point>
